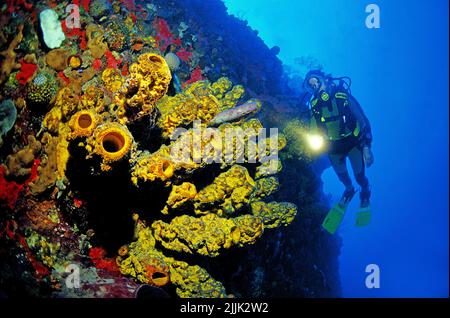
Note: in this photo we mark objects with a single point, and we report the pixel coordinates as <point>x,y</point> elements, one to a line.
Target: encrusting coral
<point>9,63</point>
<point>53,164</point>
<point>229,192</point>
<point>95,41</point>
<point>179,195</point>
<point>140,259</point>
<point>20,163</point>
<point>207,235</point>
<point>41,89</point>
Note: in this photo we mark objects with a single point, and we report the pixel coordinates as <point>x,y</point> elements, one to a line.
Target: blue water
<point>400,76</point>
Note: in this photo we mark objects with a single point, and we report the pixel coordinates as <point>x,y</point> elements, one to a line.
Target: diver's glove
<point>368,156</point>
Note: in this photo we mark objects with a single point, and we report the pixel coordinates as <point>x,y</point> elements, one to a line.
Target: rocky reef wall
<point>89,182</point>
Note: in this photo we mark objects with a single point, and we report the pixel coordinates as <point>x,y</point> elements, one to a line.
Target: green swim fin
<point>363,216</point>
<point>334,218</point>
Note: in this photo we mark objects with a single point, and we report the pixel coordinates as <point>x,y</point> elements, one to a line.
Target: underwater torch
<point>316,142</point>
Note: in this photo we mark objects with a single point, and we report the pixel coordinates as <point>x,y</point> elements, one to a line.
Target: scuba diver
<point>339,125</point>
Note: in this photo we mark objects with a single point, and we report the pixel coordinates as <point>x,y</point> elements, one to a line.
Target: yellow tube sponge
<point>229,192</point>
<point>274,214</point>
<point>207,235</point>
<point>111,141</point>
<point>83,123</point>
<point>148,81</point>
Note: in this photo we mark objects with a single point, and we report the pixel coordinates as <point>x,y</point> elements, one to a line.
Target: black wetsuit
<point>351,144</point>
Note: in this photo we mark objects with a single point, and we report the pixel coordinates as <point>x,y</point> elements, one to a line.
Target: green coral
<point>45,250</point>
<point>42,88</point>
<point>274,214</point>
<point>117,35</point>
<point>265,187</point>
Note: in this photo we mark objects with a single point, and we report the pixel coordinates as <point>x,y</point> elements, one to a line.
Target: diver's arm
<point>366,131</point>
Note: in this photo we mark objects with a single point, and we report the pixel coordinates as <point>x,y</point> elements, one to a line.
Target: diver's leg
<point>357,161</point>
<point>363,216</point>
<point>338,162</point>
<point>335,216</point>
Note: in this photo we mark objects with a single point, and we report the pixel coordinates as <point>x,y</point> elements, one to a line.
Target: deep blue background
<point>400,76</point>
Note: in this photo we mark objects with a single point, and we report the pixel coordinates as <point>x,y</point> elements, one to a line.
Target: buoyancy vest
<point>333,116</point>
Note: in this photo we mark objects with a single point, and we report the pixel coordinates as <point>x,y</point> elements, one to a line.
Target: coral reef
<point>120,117</point>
